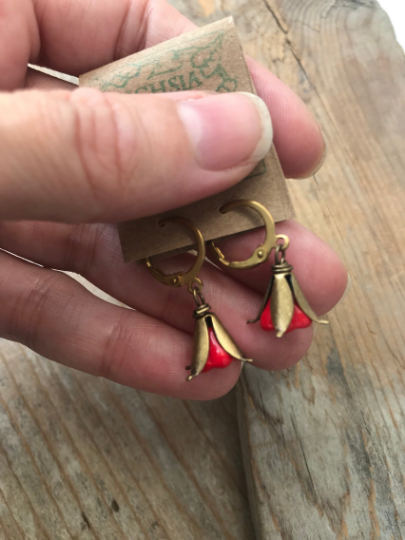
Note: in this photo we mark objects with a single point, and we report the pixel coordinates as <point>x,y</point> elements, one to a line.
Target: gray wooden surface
<point>84,458</point>
<point>324,442</point>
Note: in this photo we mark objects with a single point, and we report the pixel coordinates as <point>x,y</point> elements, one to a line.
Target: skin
<point>59,214</point>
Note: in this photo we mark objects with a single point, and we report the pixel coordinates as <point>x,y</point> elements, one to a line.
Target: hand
<point>79,160</point>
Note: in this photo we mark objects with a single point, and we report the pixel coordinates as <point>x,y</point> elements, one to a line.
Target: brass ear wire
<point>188,278</point>
<point>284,307</point>
<point>213,347</point>
<point>263,251</point>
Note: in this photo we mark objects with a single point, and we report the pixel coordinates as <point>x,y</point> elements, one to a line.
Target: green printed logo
<point>204,63</point>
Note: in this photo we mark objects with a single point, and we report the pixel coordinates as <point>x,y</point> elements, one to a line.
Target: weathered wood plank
<point>332,452</point>
<point>323,442</point>
<point>83,458</point>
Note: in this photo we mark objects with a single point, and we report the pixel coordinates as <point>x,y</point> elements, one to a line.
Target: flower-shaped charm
<point>299,319</point>
<point>218,358</point>
<point>285,307</point>
<point>214,348</point>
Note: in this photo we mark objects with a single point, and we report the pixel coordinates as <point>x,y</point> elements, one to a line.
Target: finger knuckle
<point>26,320</point>
<point>115,349</point>
<point>107,144</point>
<point>83,246</point>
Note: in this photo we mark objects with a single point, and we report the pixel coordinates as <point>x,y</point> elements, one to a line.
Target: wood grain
<point>83,458</point>
<point>324,442</point>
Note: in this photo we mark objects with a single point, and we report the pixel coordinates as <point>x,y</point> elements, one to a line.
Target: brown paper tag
<point>209,58</point>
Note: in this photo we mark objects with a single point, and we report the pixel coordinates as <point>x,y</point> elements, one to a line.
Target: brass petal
<point>303,303</point>
<point>282,304</point>
<point>225,340</point>
<point>201,347</point>
<point>264,303</point>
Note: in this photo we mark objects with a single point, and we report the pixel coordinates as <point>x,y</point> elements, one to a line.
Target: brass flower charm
<point>214,348</point>
<point>285,307</point>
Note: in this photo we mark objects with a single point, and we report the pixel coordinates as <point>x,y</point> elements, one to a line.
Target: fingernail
<point>319,165</point>
<point>347,290</point>
<point>227,130</point>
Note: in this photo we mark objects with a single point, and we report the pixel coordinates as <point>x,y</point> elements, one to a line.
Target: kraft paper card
<point>209,58</point>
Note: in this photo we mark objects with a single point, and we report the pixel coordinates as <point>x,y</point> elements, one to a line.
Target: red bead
<point>217,358</point>
<point>299,320</point>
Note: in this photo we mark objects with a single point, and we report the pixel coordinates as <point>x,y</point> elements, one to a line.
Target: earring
<point>213,347</point>
<point>284,307</point>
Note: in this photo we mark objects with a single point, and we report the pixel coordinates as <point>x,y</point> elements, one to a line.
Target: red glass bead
<point>217,358</point>
<point>299,320</point>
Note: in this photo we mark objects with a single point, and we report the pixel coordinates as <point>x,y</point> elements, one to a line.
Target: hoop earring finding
<point>263,251</point>
<point>188,278</point>
<point>213,346</point>
<point>284,307</point>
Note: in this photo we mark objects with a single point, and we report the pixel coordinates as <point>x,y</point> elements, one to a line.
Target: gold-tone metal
<point>282,304</point>
<point>303,303</point>
<point>226,341</point>
<point>201,348</point>
<point>204,317</point>
<point>286,242</point>
<point>201,311</point>
<point>282,292</point>
<point>264,303</point>
<point>182,278</point>
<point>198,295</point>
<point>281,268</point>
<point>262,252</point>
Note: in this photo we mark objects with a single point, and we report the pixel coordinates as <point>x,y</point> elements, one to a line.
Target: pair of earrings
<point>284,307</point>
